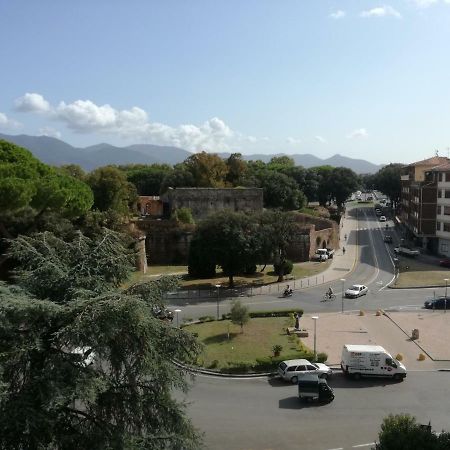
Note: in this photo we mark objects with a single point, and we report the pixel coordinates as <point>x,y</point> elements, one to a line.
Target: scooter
<point>288,293</point>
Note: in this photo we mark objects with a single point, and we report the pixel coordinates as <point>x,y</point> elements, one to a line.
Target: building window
<point>439,210</point>
<point>446,210</point>
<point>438,226</point>
<point>440,176</point>
<point>444,248</point>
<point>447,227</point>
<point>439,193</point>
<point>447,193</point>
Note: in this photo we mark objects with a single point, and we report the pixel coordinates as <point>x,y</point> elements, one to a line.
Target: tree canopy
<point>387,180</point>
<point>85,363</point>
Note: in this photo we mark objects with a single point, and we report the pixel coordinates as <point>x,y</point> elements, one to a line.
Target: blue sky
<point>362,78</point>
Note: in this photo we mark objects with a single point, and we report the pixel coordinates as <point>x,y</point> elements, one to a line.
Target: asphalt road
<point>374,269</point>
<point>266,414</point>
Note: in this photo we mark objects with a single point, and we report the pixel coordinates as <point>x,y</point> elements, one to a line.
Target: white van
<point>370,360</point>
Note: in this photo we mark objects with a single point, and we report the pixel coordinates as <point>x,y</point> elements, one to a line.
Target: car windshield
<point>354,288</point>
<point>283,365</point>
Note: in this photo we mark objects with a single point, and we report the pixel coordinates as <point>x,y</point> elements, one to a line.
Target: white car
<point>356,291</point>
<point>291,369</point>
<point>382,219</point>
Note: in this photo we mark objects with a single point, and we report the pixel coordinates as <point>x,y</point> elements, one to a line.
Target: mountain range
<point>57,152</point>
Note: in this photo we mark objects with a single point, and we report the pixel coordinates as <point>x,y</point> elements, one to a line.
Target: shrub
<point>322,357</point>
<point>213,364</point>
<point>277,349</point>
<point>207,319</point>
<point>284,268</point>
<point>183,215</point>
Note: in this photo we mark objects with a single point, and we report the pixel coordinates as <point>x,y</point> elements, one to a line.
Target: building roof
<point>434,161</point>
<point>441,168</point>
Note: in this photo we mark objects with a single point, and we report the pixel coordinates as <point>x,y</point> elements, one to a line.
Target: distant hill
<point>56,152</point>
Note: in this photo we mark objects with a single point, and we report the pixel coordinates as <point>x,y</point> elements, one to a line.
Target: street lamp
<point>445,301</point>
<point>177,311</point>
<point>315,318</point>
<point>343,294</point>
<point>218,291</point>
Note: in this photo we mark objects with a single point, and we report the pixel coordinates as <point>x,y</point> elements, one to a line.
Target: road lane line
<point>338,448</point>
<point>363,445</point>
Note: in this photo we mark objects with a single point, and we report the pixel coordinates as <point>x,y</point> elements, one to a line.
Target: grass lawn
<point>257,340</point>
<point>305,269</point>
<point>420,274</point>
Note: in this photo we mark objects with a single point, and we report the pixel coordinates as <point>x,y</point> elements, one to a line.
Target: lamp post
<point>445,301</point>
<point>177,311</point>
<point>315,318</point>
<point>218,293</point>
<point>343,294</point>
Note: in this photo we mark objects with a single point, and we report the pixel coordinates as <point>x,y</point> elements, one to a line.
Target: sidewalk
<point>392,332</point>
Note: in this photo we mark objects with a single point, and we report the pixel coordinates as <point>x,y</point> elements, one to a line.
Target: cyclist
<point>330,292</point>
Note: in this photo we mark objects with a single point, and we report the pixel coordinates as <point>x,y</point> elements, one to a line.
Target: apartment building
<point>442,175</point>
<point>419,200</point>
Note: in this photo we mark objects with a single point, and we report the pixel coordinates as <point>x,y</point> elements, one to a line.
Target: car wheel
<point>294,380</point>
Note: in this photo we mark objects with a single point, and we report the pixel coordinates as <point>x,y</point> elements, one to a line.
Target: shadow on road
<point>340,381</point>
<point>295,403</point>
<point>276,381</point>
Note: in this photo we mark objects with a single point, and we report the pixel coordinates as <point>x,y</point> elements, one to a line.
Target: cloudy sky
<point>362,78</point>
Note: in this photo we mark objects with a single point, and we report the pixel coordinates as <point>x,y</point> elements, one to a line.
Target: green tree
<point>342,183</point>
<point>208,169</point>
<point>73,170</point>
<point>181,176</point>
<point>231,241</point>
<point>184,215</point>
<point>236,170</point>
<point>147,179</point>
<point>401,431</point>
<point>83,362</point>
<point>239,314</point>
<point>280,191</point>
<point>112,190</point>
<point>387,180</point>
<point>281,163</point>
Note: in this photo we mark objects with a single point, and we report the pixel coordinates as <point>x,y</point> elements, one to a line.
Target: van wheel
<point>294,380</point>
<point>357,376</point>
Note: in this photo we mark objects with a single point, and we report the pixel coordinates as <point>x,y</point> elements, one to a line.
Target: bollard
<point>361,312</point>
<point>399,357</point>
<point>421,357</point>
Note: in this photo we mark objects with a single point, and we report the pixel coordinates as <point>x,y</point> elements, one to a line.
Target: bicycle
<point>327,297</point>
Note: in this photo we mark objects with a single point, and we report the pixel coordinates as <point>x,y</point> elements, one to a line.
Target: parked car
<point>291,369</point>
<point>357,290</point>
<point>378,212</point>
<point>437,303</point>
<point>382,218</point>
<point>445,263</point>
<point>387,238</point>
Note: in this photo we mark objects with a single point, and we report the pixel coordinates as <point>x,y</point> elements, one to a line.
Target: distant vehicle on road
<point>387,238</point>
<point>437,303</point>
<point>445,263</point>
<point>322,254</point>
<point>382,218</point>
<point>357,290</point>
<point>406,251</point>
<point>292,369</point>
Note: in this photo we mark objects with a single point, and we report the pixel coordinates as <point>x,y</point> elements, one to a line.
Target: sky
<point>361,78</point>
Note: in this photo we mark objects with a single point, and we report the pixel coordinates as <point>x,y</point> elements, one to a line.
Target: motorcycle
<point>288,293</point>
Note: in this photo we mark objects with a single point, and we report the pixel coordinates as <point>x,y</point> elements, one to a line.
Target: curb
<point>418,287</point>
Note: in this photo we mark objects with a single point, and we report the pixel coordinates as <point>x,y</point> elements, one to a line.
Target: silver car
<point>291,369</point>
<point>356,291</point>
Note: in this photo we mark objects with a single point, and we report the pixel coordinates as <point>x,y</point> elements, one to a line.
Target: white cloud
<point>84,116</point>
<point>50,132</point>
<point>339,14</point>
<point>358,134</point>
<point>7,123</point>
<point>293,141</point>
<point>320,139</point>
<point>382,11</point>
<point>32,102</point>
<point>426,3</point>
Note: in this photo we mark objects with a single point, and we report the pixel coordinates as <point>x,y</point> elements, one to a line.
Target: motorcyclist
<point>330,292</point>
<point>288,291</point>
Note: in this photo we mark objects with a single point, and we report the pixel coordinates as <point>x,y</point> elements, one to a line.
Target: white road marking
<point>338,448</point>
<point>363,445</point>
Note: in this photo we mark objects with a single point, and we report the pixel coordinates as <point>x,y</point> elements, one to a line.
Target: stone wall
<point>205,201</point>
<point>167,241</point>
